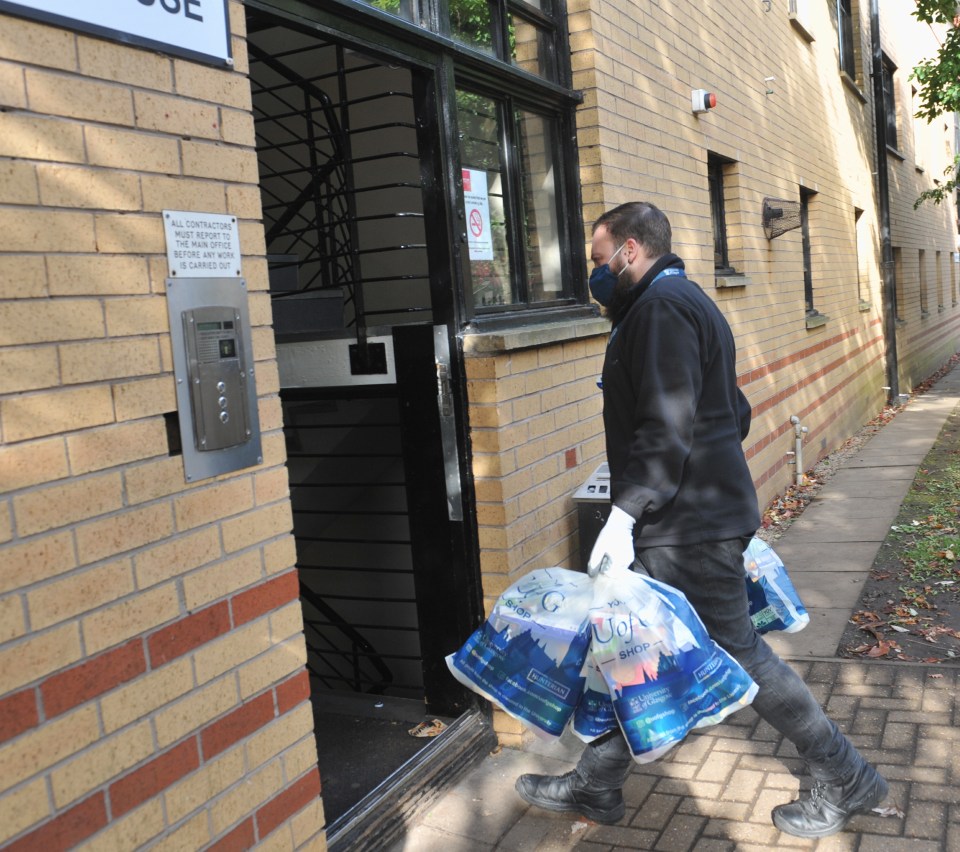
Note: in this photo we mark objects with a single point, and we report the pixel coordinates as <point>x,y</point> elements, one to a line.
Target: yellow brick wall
<point>920,156</point>
<point>536,432</point>
<point>637,64</point>
<point>152,682</point>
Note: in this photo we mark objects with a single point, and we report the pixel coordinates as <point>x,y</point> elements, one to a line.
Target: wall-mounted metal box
<point>213,367</point>
<point>593,509</point>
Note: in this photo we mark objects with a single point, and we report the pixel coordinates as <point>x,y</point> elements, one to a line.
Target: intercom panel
<point>217,377</point>
<point>213,365</point>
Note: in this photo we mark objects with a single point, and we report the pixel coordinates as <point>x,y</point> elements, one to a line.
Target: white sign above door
<point>196,29</point>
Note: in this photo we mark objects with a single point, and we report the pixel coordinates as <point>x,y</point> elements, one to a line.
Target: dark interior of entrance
<point>343,209</point>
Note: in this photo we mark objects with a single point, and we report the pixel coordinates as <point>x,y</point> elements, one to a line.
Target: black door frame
<point>433,85</point>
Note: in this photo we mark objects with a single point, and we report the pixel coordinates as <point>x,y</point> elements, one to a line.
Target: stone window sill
<point>491,342</point>
<point>732,279</point>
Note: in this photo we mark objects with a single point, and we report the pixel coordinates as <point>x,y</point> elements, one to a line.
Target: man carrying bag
<point>685,509</point>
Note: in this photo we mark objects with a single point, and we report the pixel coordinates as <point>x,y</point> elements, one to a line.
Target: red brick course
<point>188,633</point>
<point>233,727</point>
<point>292,692</point>
<point>157,775</point>
<point>271,595</point>
<point>284,805</point>
<point>18,713</point>
<point>74,686</point>
<point>241,838</point>
<point>66,830</point>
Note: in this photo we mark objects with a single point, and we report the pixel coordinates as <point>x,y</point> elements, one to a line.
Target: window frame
<point>846,39</point>
<point>888,78</point>
<point>508,105</point>
<point>461,66</point>
<point>717,166</point>
<point>923,283</point>
<point>805,196</point>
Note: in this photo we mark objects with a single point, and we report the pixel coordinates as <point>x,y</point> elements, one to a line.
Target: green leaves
<point>939,80</point>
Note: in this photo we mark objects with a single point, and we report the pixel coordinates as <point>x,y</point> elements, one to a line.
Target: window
<point>922,276</point>
<point>798,11</point>
<point>512,121</point>
<point>845,30</point>
<point>898,301</point>
<point>521,33</point>
<point>805,196</point>
<point>716,166</point>
<point>509,192</point>
<point>862,243</point>
<point>941,299</point>
<point>890,101</point>
<point>920,133</point>
<point>401,8</point>
<point>524,33</point>
<point>953,279</point>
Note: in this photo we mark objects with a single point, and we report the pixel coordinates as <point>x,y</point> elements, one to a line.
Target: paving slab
<point>818,639</point>
<point>840,557</point>
<point>833,526</point>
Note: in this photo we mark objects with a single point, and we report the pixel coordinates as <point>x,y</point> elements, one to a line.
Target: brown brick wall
<point>151,650</point>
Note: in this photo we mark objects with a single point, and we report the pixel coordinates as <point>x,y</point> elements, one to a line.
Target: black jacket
<point>675,418</point>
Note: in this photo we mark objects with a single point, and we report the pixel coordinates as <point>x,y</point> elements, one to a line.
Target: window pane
<point>485,216</point>
<point>890,103</point>
<point>471,23</point>
<point>538,178</point>
<point>400,8</point>
<point>531,48</point>
<point>717,213</point>
<point>845,28</point>
<point>807,257</point>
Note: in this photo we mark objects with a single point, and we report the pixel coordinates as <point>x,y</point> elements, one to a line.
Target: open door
<point>389,577</point>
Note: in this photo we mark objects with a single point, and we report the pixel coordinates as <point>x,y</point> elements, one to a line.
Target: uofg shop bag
<point>620,650</point>
<point>774,603</point>
<point>527,658</point>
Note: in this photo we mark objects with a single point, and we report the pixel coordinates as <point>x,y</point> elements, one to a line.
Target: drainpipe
<point>798,433</point>
<point>888,273</point>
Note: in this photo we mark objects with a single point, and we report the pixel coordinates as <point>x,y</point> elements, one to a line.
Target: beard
<point>620,301</point>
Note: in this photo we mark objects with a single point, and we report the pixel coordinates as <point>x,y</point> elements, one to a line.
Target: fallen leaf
<point>889,811</point>
<point>879,650</point>
<point>935,676</point>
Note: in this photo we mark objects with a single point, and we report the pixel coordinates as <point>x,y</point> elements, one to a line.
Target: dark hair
<point>642,221</point>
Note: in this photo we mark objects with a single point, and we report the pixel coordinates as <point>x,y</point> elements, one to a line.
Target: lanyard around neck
<point>671,270</point>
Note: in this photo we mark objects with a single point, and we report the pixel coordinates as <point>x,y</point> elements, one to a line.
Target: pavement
<point>714,792</point>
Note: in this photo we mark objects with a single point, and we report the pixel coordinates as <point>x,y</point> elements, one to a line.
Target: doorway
<point>371,407</point>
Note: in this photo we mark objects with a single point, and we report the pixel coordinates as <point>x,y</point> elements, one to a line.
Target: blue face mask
<point>603,281</point>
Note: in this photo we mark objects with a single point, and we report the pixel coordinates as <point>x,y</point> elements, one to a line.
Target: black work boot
<point>832,804</point>
<point>571,793</point>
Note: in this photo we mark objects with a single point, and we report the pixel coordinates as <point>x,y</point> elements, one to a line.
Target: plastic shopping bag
<point>774,603</point>
<point>528,656</point>
<point>594,715</point>
<point>664,673</point>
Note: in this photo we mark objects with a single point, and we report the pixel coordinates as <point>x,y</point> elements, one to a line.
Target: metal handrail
<point>360,648</point>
